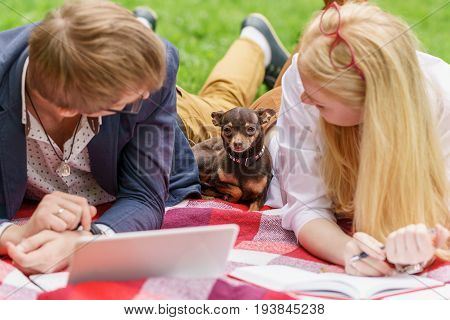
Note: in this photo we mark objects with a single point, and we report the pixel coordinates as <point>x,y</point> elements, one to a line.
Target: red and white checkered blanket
<point>261,241</point>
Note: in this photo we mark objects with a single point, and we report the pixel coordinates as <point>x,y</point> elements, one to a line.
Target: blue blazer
<point>144,160</point>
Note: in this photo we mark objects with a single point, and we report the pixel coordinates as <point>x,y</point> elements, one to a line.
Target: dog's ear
<point>217,118</point>
<point>265,115</point>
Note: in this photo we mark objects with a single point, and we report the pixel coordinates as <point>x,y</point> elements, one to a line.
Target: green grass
<point>204,29</point>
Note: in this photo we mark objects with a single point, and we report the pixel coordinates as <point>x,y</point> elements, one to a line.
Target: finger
<point>56,267</point>
<point>24,261</point>
<point>425,244</point>
<point>71,206</point>
<point>353,267</point>
<point>36,260</point>
<point>69,218</point>
<point>36,241</point>
<point>57,224</point>
<point>442,235</point>
<point>366,269</point>
<point>93,211</point>
<point>400,246</point>
<point>17,255</point>
<point>410,236</point>
<point>26,271</point>
<point>351,249</point>
<point>73,198</point>
<point>370,245</point>
<point>33,263</point>
<point>76,209</point>
<point>390,248</point>
<point>352,270</point>
<point>50,218</point>
<point>382,267</point>
<point>86,210</point>
<point>86,220</point>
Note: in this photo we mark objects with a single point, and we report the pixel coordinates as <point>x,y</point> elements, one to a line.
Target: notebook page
<point>284,278</point>
<point>370,287</point>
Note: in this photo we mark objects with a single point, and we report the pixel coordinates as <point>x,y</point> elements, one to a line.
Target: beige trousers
<point>233,82</point>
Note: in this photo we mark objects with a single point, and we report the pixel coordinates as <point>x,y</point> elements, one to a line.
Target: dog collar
<point>246,160</point>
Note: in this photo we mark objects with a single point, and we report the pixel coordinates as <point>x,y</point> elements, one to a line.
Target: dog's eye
<point>227,131</point>
<point>251,130</point>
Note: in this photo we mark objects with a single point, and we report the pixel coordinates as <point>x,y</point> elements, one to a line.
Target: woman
<point>364,132</point>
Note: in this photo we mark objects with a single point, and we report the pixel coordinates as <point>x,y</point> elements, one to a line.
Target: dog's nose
<point>237,145</point>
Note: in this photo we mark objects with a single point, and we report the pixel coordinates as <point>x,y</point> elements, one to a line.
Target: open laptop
<point>192,252</point>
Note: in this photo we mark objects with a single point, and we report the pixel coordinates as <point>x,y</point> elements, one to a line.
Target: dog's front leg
<point>231,193</point>
<point>255,206</point>
<point>210,193</point>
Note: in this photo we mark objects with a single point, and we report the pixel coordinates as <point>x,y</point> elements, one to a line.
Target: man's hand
<point>59,212</point>
<point>44,252</point>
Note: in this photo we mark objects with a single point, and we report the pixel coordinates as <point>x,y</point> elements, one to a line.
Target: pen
<point>360,256</point>
<point>94,229</point>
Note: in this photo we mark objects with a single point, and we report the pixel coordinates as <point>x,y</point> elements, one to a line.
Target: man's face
<point>128,99</point>
<point>119,105</point>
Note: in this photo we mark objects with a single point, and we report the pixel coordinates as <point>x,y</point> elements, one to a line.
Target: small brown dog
<point>236,166</point>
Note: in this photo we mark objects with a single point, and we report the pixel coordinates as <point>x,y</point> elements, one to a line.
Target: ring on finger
<point>60,211</point>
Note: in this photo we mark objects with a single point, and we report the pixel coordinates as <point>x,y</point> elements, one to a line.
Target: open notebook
<point>289,279</point>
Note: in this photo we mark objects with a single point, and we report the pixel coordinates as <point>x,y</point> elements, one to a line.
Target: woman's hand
<point>44,252</point>
<point>373,265</point>
<point>442,236</point>
<point>59,212</point>
<point>414,244</point>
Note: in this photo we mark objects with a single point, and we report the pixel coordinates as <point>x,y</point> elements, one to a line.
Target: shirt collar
<point>94,122</point>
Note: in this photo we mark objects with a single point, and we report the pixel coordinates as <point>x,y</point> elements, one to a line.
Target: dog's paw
<point>254,206</point>
<point>229,198</point>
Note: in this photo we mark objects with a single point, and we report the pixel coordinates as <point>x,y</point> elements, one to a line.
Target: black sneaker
<point>147,14</point>
<point>279,52</point>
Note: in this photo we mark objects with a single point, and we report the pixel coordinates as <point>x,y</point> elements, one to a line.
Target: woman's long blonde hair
<point>389,171</point>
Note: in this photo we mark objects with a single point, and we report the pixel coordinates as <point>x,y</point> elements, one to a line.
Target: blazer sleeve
<point>145,162</point>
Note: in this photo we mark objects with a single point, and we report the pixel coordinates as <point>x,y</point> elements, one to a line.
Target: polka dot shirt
<point>43,165</point>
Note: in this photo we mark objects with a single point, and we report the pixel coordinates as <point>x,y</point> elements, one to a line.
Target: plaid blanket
<point>261,241</point>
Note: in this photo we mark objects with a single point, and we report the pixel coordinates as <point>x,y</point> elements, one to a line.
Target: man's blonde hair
<point>388,172</point>
<point>87,55</point>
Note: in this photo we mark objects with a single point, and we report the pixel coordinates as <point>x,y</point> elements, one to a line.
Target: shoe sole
<point>152,12</point>
<point>272,31</point>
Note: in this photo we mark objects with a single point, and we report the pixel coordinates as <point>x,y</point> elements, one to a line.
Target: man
<point>87,116</point>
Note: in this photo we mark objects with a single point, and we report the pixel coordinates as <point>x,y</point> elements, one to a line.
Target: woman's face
<point>331,107</point>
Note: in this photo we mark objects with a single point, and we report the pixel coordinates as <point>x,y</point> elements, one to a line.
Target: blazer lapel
<point>103,151</point>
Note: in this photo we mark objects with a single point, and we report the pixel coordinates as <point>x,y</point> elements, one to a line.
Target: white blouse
<point>297,191</point>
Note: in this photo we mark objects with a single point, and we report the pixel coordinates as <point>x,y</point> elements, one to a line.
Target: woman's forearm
<point>324,239</point>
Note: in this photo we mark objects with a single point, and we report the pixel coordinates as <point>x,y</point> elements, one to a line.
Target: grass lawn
<point>203,29</point>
